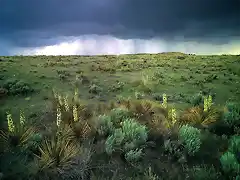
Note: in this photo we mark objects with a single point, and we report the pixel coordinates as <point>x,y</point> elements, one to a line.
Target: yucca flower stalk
<point>77,77</point>
<point>207,103</point>
<point>66,105</point>
<point>22,118</point>
<point>55,94</point>
<point>59,116</point>
<point>174,116</point>
<point>76,93</point>
<point>11,126</point>
<point>164,100</point>
<point>145,79</point>
<point>60,100</point>
<point>75,112</point>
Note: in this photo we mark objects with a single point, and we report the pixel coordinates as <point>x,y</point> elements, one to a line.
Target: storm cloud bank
<point>55,27</point>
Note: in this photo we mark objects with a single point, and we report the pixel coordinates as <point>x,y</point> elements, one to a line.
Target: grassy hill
<point>26,84</point>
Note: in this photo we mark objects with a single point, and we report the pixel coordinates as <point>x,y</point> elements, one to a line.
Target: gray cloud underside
<point>122,18</point>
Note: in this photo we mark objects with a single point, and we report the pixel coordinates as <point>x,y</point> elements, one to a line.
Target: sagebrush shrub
<point>230,159</point>
<point>204,172</point>
<point>232,115</point>
<point>105,125</point>
<point>229,163</point>
<point>133,155</point>
<point>16,87</point>
<point>191,138</point>
<point>119,114</point>
<point>128,138</point>
<point>134,132</point>
<point>234,144</point>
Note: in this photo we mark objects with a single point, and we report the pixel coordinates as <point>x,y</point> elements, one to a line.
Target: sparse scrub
<point>191,137</point>
<point>204,172</point>
<point>232,114</point>
<point>116,130</point>
<point>16,87</point>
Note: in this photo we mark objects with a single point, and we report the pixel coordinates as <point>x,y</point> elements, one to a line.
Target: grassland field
<point>27,82</point>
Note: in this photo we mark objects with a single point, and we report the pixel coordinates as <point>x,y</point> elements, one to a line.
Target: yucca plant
<point>59,150</point>
<point>164,103</point>
<point>83,130</point>
<point>19,133</point>
<point>145,109</point>
<point>171,118</point>
<point>207,103</point>
<point>197,116</point>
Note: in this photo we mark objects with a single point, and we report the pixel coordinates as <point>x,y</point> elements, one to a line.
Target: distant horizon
<point>109,45</point>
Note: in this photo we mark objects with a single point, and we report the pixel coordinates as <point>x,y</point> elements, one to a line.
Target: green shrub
<point>232,116</point>
<point>230,164</point>
<point>230,159</point>
<point>191,138</point>
<point>118,115</point>
<point>105,125</point>
<point>234,144</point>
<point>134,132</point>
<point>204,172</point>
<point>109,145</point>
<point>16,87</point>
<point>133,155</point>
<point>127,139</point>
<point>95,89</point>
<point>197,99</point>
<point>34,142</point>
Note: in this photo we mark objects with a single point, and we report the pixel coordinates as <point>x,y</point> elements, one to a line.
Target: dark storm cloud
<point>34,23</point>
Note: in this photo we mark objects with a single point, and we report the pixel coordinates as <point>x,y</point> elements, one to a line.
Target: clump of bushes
<point>17,87</point>
<point>124,134</point>
<point>232,114</point>
<point>204,172</point>
<point>190,136</point>
<point>230,160</point>
<point>128,139</point>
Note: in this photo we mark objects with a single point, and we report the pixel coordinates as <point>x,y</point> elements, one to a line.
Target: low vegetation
<point>147,117</point>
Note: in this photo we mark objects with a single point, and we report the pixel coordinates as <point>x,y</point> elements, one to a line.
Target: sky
<point>92,27</point>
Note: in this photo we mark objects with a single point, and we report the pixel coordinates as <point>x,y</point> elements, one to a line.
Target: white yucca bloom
<point>75,113</point>
<point>60,100</point>
<point>205,104</point>
<point>174,116</point>
<point>11,126</point>
<point>66,105</point>
<point>77,77</point>
<point>59,116</point>
<point>209,101</point>
<point>76,94</point>
<point>164,100</point>
<point>22,118</point>
<point>145,79</point>
<point>55,93</point>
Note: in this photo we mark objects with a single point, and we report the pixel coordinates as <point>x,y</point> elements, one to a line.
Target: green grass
<point>108,78</point>
<point>186,76</point>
